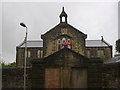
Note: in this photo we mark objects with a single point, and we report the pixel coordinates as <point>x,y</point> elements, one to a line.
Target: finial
<point>62,8</point>
<point>102,38</point>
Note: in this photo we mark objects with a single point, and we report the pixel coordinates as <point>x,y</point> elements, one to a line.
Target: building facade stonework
<point>63,33</point>
<point>64,59</point>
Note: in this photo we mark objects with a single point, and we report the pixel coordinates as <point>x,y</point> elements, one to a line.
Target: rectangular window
<point>88,53</point>
<point>100,52</point>
<point>38,53</point>
<point>29,54</point>
<point>63,19</point>
<point>41,53</point>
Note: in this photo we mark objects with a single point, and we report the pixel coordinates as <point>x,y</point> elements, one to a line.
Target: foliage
<point>118,45</point>
<point>103,57</point>
<point>3,64</point>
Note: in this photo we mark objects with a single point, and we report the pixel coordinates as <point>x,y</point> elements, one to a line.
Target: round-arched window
<point>63,40</point>
<point>68,40</point>
<point>59,41</point>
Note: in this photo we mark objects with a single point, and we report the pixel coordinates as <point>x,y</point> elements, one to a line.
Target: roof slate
<point>32,44</point>
<point>89,43</point>
<point>96,43</point>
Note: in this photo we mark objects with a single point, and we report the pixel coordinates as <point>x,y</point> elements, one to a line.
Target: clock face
<point>64,30</point>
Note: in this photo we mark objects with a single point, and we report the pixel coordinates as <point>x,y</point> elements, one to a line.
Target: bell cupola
<point>63,16</point>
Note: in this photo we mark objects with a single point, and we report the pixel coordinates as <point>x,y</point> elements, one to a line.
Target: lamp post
<point>23,25</point>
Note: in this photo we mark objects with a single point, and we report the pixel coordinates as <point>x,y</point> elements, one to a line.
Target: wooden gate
<point>79,78</point>
<point>52,78</point>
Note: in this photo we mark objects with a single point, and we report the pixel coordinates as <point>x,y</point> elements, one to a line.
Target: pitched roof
<point>89,43</point>
<point>35,43</point>
<point>96,43</point>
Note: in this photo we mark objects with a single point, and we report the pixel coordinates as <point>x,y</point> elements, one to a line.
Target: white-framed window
<point>29,54</point>
<point>38,53</point>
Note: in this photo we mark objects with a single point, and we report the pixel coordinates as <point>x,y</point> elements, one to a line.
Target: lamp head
<point>22,24</point>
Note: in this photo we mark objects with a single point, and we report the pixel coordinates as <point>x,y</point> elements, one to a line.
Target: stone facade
<point>99,52</point>
<point>63,31</point>
<point>66,69</point>
<point>99,75</point>
<point>111,75</point>
<point>63,62</point>
<point>32,53</point>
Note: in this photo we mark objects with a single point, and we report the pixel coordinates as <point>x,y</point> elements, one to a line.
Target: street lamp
<point>23,25</point>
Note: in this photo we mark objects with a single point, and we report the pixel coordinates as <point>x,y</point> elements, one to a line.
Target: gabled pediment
<point>66,57</point>
<point>57,29</point>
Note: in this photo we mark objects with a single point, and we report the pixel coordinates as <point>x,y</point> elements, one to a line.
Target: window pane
<point>63,40</point>
<point>59,41</point>
<point>38,54</point>
<point>63,19</point>
<point>100,52</point>
<point>41,53</point>
<point>29,54</point>
<point>88,53</point>
<point>68,40</point>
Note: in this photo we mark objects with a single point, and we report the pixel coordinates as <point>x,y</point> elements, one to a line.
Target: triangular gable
<point>63,25</point>
<point>66,57</point>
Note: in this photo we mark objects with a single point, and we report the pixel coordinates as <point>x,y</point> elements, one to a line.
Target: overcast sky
<point>95,19</point>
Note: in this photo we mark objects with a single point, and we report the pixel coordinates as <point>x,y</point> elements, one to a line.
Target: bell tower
<point>63,16</point>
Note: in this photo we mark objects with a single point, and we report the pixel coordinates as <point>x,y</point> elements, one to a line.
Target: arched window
<point>58,44</point>
<point>63,19</point>
<point>63,40</point>
<point>68,40</point>
<point>59,41</point>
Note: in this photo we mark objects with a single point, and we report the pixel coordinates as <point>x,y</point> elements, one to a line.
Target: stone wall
<point>75,71</point>
<point>95,73</point>
<point>12,78</point>
<point>111,75</point>
<point>98,75</point>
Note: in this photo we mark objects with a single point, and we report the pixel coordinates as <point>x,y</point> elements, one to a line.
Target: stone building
<point>64,59</point>
<point>63,33</point>
<point>98,48</point>
<point>34,50</point>
<point>62,54</point>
